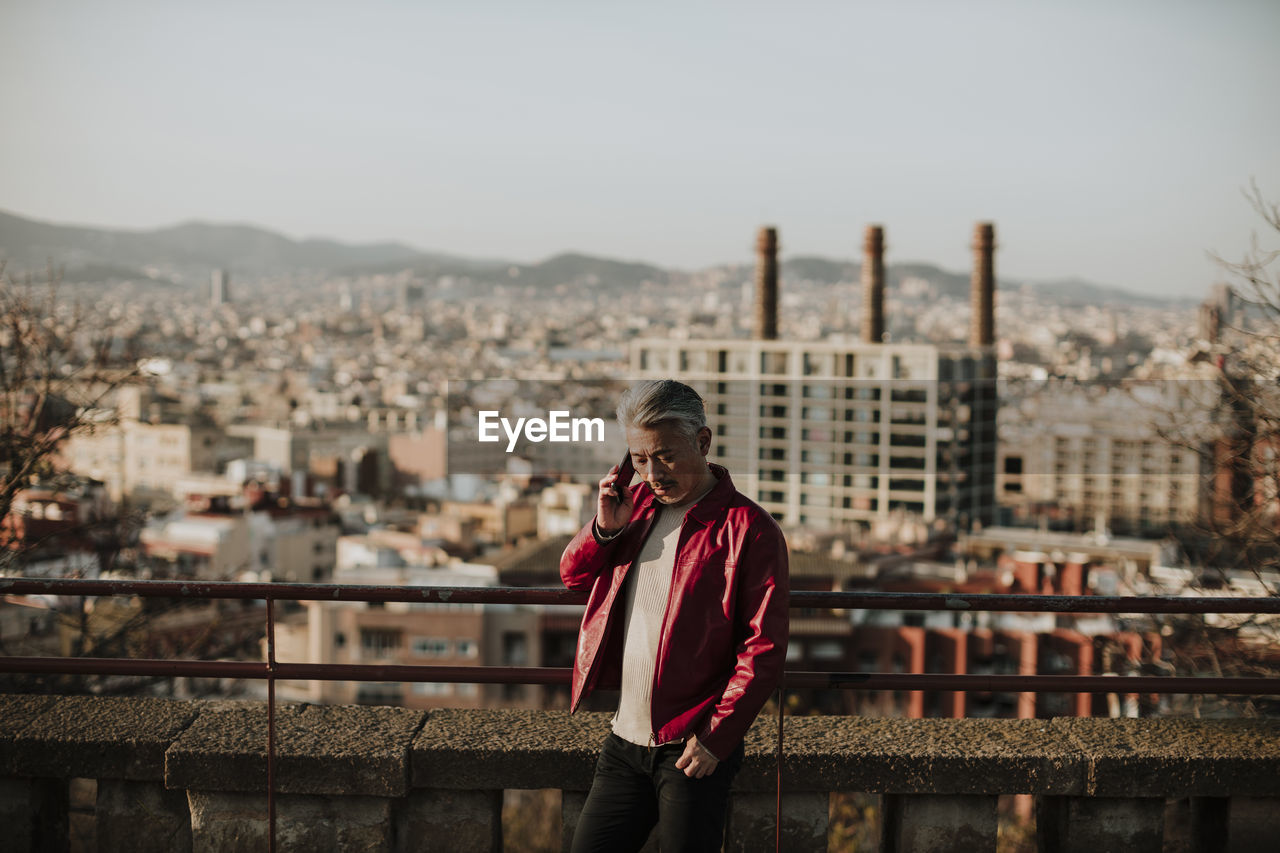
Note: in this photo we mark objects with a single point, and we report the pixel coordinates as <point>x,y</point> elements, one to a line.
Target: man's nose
<point>656,470</point>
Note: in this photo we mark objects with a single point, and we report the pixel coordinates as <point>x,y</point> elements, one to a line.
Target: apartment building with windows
<point>402,633</point>
<point>832,433</point>
<point>1104,457</point>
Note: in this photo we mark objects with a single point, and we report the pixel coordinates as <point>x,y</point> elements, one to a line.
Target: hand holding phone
<point>613,509</point>
<point>626,470</point>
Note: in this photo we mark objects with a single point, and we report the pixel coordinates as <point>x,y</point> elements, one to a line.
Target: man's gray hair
<point>655,401</point>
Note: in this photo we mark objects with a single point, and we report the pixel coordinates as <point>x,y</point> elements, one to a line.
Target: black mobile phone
<point>626,470</point>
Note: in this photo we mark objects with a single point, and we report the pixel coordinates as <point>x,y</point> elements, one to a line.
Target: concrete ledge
<point>320,749</point>
<point>1176,757</point>
<point>932,756</point>
<point>495,750</point>
<point>17,713</point>
<point>486,750</point>
<point>386,752</point>
<point>90,736</point>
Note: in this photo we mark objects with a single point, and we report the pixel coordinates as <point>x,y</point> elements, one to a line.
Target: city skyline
<point>1106,144</point>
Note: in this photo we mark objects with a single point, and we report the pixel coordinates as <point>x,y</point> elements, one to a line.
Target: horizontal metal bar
<point>134,666</point>
<point>952,602</point>
<point>962,602</point>
<point>561,675</point>
<point>400,672</point>
<point>293,591</point>
<point>1032,683</point>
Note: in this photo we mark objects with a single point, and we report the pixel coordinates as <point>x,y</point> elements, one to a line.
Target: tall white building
<point>828,434</point>
<point>219,287</point>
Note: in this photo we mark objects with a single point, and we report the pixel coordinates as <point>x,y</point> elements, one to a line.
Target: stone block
<point>436,820</point>
<point>232,822</point>
<point>753,822</point>
<point>1253,825</point>
<point>94,737</point>
<point>759,771</point>
<point>1155,757</point>
<point>927,756</point>
<point>33,813</point>
<point>141,817</point>
<point>320,749</point>
<point>571,803</point>
<point>224,822</point>
<point>930,823</point>
<point>1100,824</point>
<point>17,712</point>
<point>479,750</point>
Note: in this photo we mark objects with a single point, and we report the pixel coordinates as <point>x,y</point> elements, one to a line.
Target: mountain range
<point>100,254</point>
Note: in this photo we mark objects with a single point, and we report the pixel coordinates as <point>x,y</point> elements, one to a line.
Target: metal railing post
<point>271,725</point>
<point>777,817</point>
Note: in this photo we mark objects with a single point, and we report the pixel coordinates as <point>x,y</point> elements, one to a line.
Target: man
<point>687,616</point>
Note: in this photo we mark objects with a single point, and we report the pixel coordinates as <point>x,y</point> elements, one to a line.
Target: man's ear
<point>704,440</point>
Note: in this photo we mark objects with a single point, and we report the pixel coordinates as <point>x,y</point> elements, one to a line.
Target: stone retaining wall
<point>191,776</point>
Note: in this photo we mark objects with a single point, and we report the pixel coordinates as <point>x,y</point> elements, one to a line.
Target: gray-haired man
<point>687,615</point>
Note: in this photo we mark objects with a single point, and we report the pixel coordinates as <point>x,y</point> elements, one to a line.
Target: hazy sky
<point>1108,140</point>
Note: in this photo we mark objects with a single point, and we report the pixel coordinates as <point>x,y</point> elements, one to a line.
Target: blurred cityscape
<point>243,409</point>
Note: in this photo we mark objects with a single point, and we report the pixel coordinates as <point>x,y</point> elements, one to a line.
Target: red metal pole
<point>271,726</point>
<point>777,820</point>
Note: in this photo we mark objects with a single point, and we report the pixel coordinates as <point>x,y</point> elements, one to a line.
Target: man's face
<point>674,466</point>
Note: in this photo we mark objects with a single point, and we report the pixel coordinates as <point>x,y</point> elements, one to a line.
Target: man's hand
<point>696,761</point>
<point>612,514</point>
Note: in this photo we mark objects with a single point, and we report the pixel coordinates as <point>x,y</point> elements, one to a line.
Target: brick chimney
<point>873,285</point>
<point>767,284</point>
<point>982,289</point>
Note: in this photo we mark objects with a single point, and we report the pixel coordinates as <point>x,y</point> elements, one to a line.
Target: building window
<point>466,647</point>
<point>379,643</point>
<point>379,694</point>
<point>826,650</point>
<point>515,648</point>
<point>773,362</point>
<point>430,647</point>
<point>432,688</point>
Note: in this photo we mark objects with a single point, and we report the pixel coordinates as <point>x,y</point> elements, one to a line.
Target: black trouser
<point>638,786</point>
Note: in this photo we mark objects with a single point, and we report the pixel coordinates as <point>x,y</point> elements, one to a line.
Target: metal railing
<point>273,670</point>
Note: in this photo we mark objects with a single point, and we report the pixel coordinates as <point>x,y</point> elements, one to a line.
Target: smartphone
<point>626,470</point>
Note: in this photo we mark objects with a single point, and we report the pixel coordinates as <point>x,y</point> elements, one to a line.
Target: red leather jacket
<point>724,633</point>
